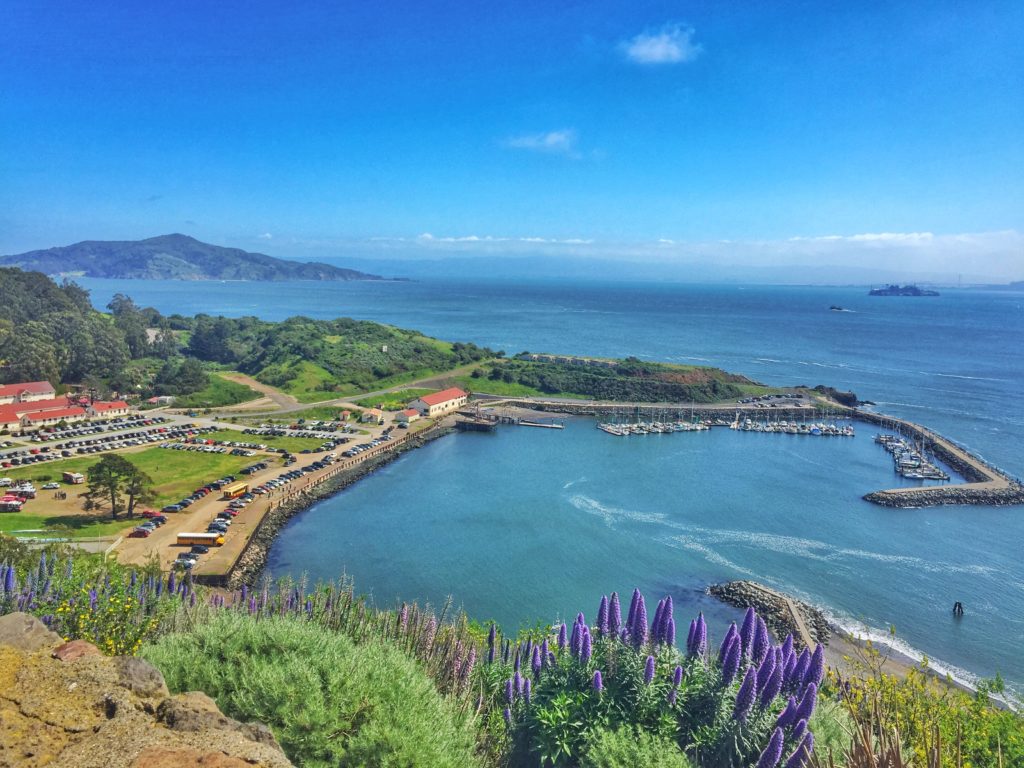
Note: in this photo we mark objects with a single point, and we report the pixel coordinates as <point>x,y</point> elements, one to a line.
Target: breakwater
<point>984,485</point>
<point>253,557</point>
<point>783,614</point>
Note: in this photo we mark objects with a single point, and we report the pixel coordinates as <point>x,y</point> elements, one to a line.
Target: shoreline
<point>253,559</point>
<point>846,650</point>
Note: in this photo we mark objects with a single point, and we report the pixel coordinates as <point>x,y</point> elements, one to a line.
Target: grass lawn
<point>218,393</point>
<point>294,444</point>
<point>69,526</point>
<point>394,401</point>
<point>308,381</point>
<point>174,473</point>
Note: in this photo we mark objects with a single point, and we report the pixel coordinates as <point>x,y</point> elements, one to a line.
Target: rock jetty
<point>783,614</point>
<point>65,705</point>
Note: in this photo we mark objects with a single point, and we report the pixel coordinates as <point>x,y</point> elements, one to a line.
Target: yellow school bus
<point>209,539</point>
<point>235,490</point>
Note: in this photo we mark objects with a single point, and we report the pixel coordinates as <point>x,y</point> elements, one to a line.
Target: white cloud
<point>672,44</point>
<point>561,142</point>
<point>266,236</point>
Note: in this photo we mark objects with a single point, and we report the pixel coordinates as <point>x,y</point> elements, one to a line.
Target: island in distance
<point>172,257</point>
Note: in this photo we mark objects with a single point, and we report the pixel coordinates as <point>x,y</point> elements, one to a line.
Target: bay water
<point>526,525</point>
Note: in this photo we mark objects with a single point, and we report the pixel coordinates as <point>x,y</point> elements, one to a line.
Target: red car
<point>139,533</point>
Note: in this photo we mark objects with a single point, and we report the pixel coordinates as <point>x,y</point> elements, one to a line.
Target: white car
<point>5,482</point>
<point>51,486</point>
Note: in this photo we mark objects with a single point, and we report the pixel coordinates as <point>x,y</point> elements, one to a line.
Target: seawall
<point>253,557</point>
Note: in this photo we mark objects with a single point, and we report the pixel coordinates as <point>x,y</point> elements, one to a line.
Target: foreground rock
<point>67,706</point>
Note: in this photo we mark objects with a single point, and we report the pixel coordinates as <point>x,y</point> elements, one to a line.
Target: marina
<point>909,460</point>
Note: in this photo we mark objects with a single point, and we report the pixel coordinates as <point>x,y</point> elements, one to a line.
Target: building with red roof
<point>26,392</point>
<point>109,409</point>
<point>36,419</point>
<point>407,416</point>
<point>440,403</point>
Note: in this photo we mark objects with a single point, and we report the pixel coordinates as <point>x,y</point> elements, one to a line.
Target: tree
<point>112,477</point>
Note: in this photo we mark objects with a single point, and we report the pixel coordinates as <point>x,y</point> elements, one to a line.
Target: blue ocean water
<point>527,524</point>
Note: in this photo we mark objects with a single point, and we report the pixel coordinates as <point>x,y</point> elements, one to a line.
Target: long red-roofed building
<point>441,403</point>
<point>26,392</point>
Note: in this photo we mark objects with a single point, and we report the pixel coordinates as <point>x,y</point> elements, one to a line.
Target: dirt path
<point>435,381</point>
<point>282,400</point>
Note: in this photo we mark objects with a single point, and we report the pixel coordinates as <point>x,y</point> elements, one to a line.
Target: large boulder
<point>94,711</point>
<point>26,633</point>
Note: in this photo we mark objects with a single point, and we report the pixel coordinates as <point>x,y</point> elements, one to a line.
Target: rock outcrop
<point>773,608</point>
<point>65,705</point>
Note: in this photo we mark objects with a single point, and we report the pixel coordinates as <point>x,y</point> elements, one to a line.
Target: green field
<point>174,473</point>
<point>293,444</point>
<point>84,526</point>
<point>218,393</point>
<point>393,401</point>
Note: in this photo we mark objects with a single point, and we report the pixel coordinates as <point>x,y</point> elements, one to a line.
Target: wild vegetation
<point>629,380</point>
<point>52,332</point>
<point>416,687</point>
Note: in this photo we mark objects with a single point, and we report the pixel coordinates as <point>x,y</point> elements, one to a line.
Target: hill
<point>172,257</point>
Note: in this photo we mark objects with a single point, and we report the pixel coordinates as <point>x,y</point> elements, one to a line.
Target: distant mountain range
<point>173,257</point>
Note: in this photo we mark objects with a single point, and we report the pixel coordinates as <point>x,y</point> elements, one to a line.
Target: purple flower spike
<point>764,671</point>
<point>689,637</point>
<point>745,696</point>
<point>561,637</point>
<point>602,617</point>
<point>802,663</point>
<point>731,662</point>
<point>773,752</point>
<point>656,624</point>
<point>670,632</point>
<point>510,690</point>
<point>788,715</point>
<point>585,646</point>
<point>799,730</point>
<point>631,618</point>
<point>535,662</point>
<point>805,708</point>
<point>772,688</point>
<point>787,645</point>
<point>638,632</point>
<point>761,642</point>
<point>672,697</point>
<point>788,670</point>
<point>9,583</point>
<point>649,670</point>
<point>816,669</point>
<point>526,691</point>
<point>747,631</point>
<point>544,653</point>
<point>492,634</point>
<point>700,637</point>
<point>614,615</point>
<point>517,662</point>
<point>517,683</point>
<point>574,640</point>
<point>802,754</point>
<point>666,617</point>
<point>677,677</point>
<point>598,681</point>
<point>508,716</point>
<point>729,635</point>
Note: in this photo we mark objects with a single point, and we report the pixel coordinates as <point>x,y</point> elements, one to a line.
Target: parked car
<point>139,533</point>
<point>199,549</point>
<point>51,486</point>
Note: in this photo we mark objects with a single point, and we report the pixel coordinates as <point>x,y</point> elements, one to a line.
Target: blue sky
<point>362,127</point>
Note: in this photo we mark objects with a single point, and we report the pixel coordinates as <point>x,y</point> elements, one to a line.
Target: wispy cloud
<point>561,142</point>
<point>427,238</point>
<point>672,44</point>
<point>265,236</point>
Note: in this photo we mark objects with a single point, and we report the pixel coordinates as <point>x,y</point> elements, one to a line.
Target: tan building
<point>408,416</point>
<point>440,403</point>
<point>373,416</point>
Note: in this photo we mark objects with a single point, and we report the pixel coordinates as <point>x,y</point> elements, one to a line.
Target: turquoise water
<point>527,525</point>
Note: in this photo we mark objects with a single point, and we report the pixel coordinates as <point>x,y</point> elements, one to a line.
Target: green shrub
<point>631,748</point>
<point>329,701</point>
